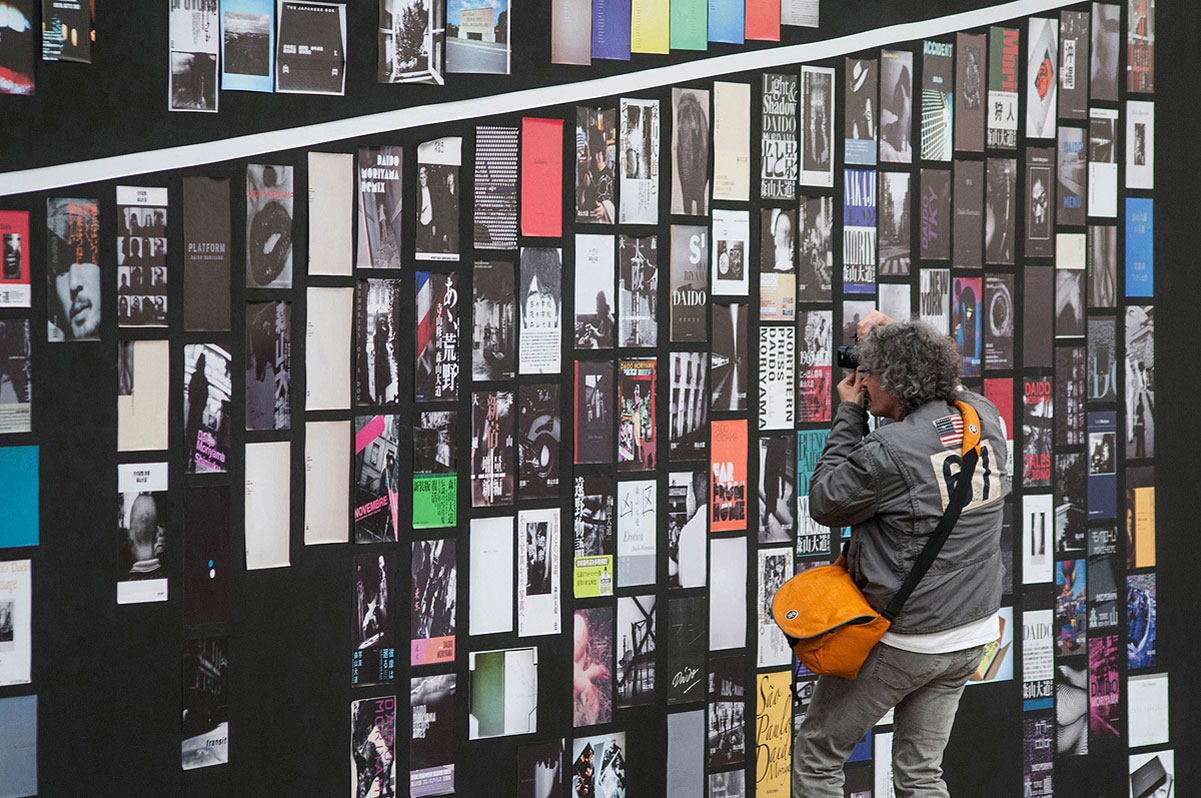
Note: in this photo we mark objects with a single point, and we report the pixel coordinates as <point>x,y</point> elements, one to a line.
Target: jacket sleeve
<point>844,489</point>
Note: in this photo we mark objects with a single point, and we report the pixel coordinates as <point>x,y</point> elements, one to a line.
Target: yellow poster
<point>1144,527</point>
<point>649,26</point>
<point>773,735</point>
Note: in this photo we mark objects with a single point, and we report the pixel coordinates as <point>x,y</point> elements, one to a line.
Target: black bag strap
<point>961,494</point>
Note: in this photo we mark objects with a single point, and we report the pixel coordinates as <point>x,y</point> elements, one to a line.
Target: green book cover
<point>434,500</point>
<point>689,29</point>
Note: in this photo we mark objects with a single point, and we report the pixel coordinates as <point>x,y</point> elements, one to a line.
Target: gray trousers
<point>925,690</point>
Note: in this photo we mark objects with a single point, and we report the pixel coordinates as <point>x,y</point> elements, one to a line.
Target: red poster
<point>999,391</point>
<point>14,259</point>
<point>542,177</point>
<point>728,478</point>
<point>763,20</point>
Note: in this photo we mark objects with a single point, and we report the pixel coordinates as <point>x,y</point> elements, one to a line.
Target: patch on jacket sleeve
<point>950,430</point>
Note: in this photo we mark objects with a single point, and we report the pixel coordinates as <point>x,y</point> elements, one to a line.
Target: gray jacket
<point>891,488</point>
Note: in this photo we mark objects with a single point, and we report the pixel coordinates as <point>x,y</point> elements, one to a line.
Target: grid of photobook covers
<point>558,386</point>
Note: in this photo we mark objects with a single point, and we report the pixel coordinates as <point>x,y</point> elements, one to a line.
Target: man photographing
<point>891,486</point>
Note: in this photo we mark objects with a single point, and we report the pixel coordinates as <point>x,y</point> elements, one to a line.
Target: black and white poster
<point>777,264</point>
<point>376,479</point>
<point>1102,265</point>
<point>268,365</point>
<point>411,35</point>
<point>817,126</point>
<point>896,106</point>
<point>310,56</point>
<point>815,261</point>
<point>687,494</point>
<point>596,158</point>
<point>639,159</point>
<point>727,710</point>
<point>538,434</point>
<point>380,170</point>
<point>1000,319</point>
<point>595,400</point>
<point>195,32</point>
<point>373,746</point>
<point>777,489</point>
<point>148,539</point>
<point>541,295</point>
<point>141,256</point>
<point>728,356</point>
<point>1000,213</point>
<point>73,269</point>
<point>637,634</point>
<point>538,572</point>
<point>893,224</point>
<point>377,342</point>
<point>938,89</point>
<point>730,269</point>
<point>205,732</point>
<point>1069,396</point>
<point>1103,162</point>
<point>540,770</point>
<point>493,468</point>
<point>777,376</point>
<point>432,735</point>
<point>934,299</point>
<point>1102,380</point>
<point>1069,285</point>
<point>375,592</point>
<point>1040,202</point>
<point>1140,381</point>
<point>686,650</point>
<point>638,291</point>
<point>1071,485</point>
<point>494,316</point>
<point>778,153</point>
<point>862,117</point>
<point>595,327</point>
<point>689,406</point>
<point>436,346</point>
<point>438,197</point>
<point>269,203</point>
<point>207,380</point>
<point>690,146</point>
<point>1106,49</point>
<point>16,383</point>
<point>1073,63</point>
<point>495,220</point>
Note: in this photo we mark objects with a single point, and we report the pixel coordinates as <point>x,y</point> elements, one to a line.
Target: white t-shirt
<point>976,633</point>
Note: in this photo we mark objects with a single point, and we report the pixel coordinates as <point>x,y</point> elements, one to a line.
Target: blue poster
<point>19,496</point>
<point>611,29</point>
<point>727,21</point>
<point>247,45</point>
<point>1140,248</point>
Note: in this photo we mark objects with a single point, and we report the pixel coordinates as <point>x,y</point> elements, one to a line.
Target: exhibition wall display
<point>457,443</point>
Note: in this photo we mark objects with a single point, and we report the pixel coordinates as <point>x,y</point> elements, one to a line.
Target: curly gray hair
<point>916,363</point>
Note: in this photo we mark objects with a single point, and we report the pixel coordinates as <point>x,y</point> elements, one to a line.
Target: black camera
<point>848,357</point>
